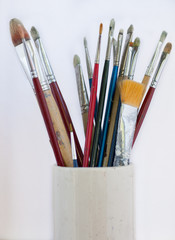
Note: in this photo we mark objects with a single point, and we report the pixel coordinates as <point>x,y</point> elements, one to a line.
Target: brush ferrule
<point>44,61</point>
<point>125,52</point>
<point>82,92</point>
<point>119,47</point>
<point>125,134</point>
<point>97,57</point>
<point>128,61</point>
<point>134,57</point>
<point>88,63</point>
<point>159,69</point>
<point>151,66</point>
<point>74,155</point>
<point>109,46</point>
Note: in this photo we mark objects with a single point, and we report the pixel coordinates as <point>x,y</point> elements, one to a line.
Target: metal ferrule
<point>134,57</point>
<point>128,61</point>
<point>45,61</point>
<point>88,63</point>
<point>119,47</point>
<point>74,155</point>
<point>109,46</point>
<point>159,69</point>
<point>124,56</point>
<point>82,92</point>
<point>97,57</point>
<point>125,134</point>
<point>151,66</point>
<point>114,52</point>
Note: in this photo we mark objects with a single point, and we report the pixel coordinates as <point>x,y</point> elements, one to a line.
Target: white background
<point>26,157</point>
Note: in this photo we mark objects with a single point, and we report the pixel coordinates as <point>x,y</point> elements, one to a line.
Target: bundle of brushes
<point>107,143</point>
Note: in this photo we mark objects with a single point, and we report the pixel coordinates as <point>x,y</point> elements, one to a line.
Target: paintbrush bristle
<point>34,33</point>
<point>16,29</point>
<point>168,48</point>
<point>131,44</point>
<point>136,42</point>
<point>111,27</point>
<point>76,60</point>
<point>131,92</point>
<point>101,28</point>
<point>85,42</point>
<point>163,36</point>
<point>130,29</point>
<point>121,31</point>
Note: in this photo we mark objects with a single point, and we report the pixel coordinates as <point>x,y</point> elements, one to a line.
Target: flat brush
<point>92,103</point>
<point>149,95</point>
<point>74,155</point>
<point>131,94</point>
<point>152,63</point>
<point>55,90</point>
<point>102,96</point>
<point>82,91</point>
<point>133,59</point>
<point>19,34</point>
<point>90,73</point>
<point>116,52</point>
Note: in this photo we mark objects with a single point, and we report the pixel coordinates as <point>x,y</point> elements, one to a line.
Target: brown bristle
<point>16,29</point>
<point>70,126</point>
<point>167,48</point>
<point>131,92</point>
<point>101,28</point>
<point>131,44</point>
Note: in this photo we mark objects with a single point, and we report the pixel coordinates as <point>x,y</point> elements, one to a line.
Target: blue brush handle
<point>96,104</point>
<point>75,163</point>
<point>112,149</point>
<point>107,114</point>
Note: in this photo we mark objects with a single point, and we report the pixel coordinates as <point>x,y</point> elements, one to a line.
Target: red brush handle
<point>66,118</point>
<point>91,116</point>
<point>48,121</point>
<point>143,111</point>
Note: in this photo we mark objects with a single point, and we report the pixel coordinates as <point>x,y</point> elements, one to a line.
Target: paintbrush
<point>149,95</point>
<point>74,155</point>
<point>131,94</point>
<point>82,91</point>
<point>116,51</point>
<point>102,96</point>
<point>90,73</point>
<point>55,90</point>
<point>152,63</point>
<point>128,61</point>
<point>19,36</point>
<point>113,107</point>
<point>130,73</point>
<point>134,56</point>
<point>92,103</point>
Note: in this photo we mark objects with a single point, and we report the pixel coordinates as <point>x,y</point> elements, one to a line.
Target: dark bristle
<point>16,27</point>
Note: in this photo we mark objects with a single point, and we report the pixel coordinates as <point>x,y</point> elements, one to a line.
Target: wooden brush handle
<point>145,80</point>
<point>111,123</point>
<point>85,120</point>
<point>60,130</point>
<point>143,111</point>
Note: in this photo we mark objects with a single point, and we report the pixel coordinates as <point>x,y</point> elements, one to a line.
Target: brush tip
<point>85,42</point>
<point>34,33</point>
<point>121,31</point>
<point>111,27</point>
<point>168,48</point>
<point>18,31</point>
<point>131,92</point>
<point>76,60</point>
<point>163,36</point>
<point>101,28</point>
<point>130,29</point>
<point>136,42</point>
